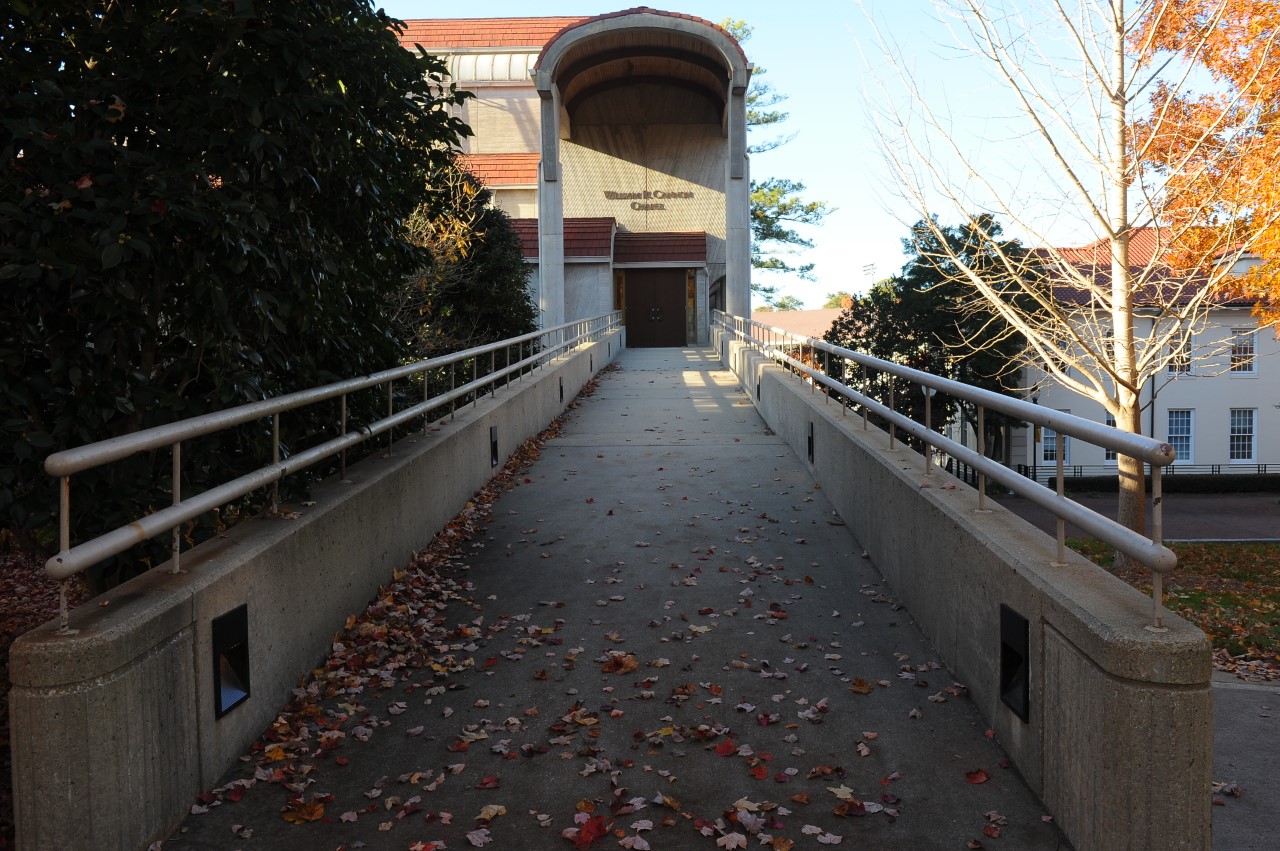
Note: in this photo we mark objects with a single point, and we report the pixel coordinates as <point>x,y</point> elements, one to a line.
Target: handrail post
<point>177,499</point>
<point>391,432</point>
<point>275,461</point>
<point>1060,445</point>
<point>1157,537</point>
<point>928,426</point>
<point>982,450</point>
<point>342,427</point>
<point>64,544</point>
<point>866,388</point>
<point>891,429</point>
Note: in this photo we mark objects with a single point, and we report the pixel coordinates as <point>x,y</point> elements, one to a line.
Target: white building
<point>1218,404</point>
<point>618,143</point>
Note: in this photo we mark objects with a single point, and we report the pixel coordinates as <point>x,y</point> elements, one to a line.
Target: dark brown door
<point>655,308</point>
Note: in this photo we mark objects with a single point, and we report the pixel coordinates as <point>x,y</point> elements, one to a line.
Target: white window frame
<point>1108,454</point>
<point>1232,434</point>
<point>1189,456</point>
<point>1243,359</point>
<point>1179,359</point>
<point>1049,444</point>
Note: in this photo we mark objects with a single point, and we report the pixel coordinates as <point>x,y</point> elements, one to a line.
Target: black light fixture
<point>230,640</point>
<point>811,442</point>
<point>1015,662</point>
<point>493,446</point>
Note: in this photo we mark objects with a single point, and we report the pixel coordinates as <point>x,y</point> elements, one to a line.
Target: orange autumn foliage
<point>1219,152</point>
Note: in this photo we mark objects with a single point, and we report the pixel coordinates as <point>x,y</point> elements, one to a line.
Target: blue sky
<point>811,52</point>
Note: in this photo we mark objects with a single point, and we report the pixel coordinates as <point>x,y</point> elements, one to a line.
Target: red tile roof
<point>1163,287</point>
<point>503,169</point>
<point>642,10</point>
<point>582,237</point>
<point>660,247</point>
<point>532,33</point>
<point>807,323</point>
<point>527,230</point>
<point>589,237</point>
<point>1144,243</point>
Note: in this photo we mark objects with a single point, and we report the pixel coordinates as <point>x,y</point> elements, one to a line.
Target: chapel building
<point>618,143</point>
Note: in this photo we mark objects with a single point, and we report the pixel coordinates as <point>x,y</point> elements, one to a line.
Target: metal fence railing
<point>507,360</point>
<point>1046,473</point>
<point>818,360</point>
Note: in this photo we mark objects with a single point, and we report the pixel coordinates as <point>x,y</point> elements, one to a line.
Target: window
<point>1049,451</point>
<point>1240,445</point>
<point>1242,351</point>
<point>1181,427</point>
<point>1109,455</point>
<point>1179,358</point>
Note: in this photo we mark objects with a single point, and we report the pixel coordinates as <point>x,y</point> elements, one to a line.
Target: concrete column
<point>737,199</point>
<point>550,214</point>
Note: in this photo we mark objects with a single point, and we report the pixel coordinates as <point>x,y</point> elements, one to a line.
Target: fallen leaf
<point>976,776</point>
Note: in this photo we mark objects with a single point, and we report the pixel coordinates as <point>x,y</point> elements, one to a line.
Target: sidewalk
<point>662,637</point>
<point>1187,516</point>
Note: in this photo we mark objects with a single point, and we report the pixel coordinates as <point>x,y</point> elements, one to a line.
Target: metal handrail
<point>543,345</point>
<point>1149,552</point>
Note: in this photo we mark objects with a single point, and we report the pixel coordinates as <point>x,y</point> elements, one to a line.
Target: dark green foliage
<point>927,318</point>
<point>776,205</point>
<point>475,289</point>
<point>201,205</point>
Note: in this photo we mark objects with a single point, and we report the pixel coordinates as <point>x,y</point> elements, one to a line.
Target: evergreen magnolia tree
<point>474,289</point>
<point>201,205</point>
<point>925,318</point>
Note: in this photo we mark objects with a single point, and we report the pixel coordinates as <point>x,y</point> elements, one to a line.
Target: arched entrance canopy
<point>631,47</point>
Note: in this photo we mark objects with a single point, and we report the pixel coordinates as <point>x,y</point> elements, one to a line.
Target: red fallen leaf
<point>298,812</point>
<point>591,500</point>
<point>459,746</point>
<point>974,844</point>
<point>990,733</point>
<point>760,772</point>
<point>726,748</point>
<point>976,776</point>
<point>1003,762</point>
<point>235,793</point>
<point>594,828</point>
<point>490,782</point>
<point>342,760</point>
<point>992,830</point>
<point>490,662</point>
<point>206,798</point>
<point>715,690</point>
<point>801,798</point>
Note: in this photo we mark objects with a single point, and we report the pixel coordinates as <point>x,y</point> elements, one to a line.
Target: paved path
<point>1187,516</point>
<point>662,630</point>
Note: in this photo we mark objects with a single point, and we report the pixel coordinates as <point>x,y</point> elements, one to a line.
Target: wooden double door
<point>655,308</point>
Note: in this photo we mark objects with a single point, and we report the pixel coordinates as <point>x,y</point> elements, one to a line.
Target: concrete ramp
<point>663,621</point>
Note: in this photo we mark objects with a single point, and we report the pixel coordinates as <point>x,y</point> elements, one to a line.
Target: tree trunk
<point>1132,508</point>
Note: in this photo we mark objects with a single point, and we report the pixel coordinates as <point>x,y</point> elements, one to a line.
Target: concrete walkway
<point>664,637</point>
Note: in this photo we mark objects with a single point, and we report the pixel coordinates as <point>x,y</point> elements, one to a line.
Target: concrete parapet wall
<point>1119,737</point>
<point>114,728</point>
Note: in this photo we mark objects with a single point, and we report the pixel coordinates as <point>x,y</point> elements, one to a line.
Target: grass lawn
<point>1229,590</point>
